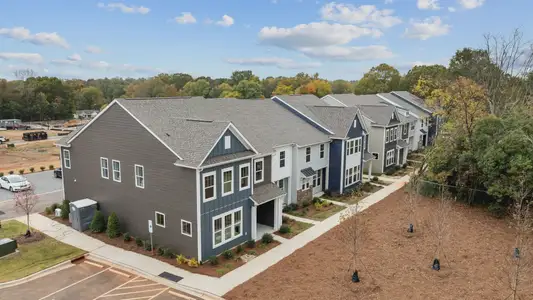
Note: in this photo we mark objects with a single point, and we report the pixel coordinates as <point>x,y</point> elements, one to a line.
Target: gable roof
<point>355,100</point>
<point>414,100</point>
<point>301,104</point>
<point>379,114</point>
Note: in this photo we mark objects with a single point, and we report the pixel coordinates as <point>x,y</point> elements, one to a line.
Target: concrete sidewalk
<point>195,282</point>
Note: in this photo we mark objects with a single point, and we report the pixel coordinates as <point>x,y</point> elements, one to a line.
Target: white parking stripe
<point>158,293</point>
<point>136,286</point>
<point>73,284</point>
<point>116,287</point>
<point>137,298</point>
<point>129,293</point>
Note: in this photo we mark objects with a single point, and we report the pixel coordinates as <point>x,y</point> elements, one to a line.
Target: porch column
<point>277,213</point>
<point>370,171</point>
<point>254,222</point>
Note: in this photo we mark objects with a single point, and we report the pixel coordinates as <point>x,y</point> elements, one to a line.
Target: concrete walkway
<point>195,283</point>
<point>300,219</point>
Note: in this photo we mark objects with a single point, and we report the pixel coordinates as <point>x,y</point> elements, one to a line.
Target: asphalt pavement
<point>48,188</point>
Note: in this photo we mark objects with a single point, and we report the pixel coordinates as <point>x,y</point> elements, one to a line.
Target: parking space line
<point>136,286</point>
<point>120,273</point>
<point>129,293</point>
<point>136,298</point>
<point>132,280</point>
<point>159,293</point>
<point>93,264</point>
<point>139,280</point>
<point>91,276</point>
<point>180,295</point>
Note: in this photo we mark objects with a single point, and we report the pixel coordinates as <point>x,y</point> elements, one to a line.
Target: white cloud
<point>32,58</point>
<point>74,57</point>
<point>471,4</point>
<point>282,63</point>
<point>427,28</point>
<point>103,66</point>
<point>389,1</point>
<point>428,4</point>
<point>367,15</point>
<point>64,62</point>
<point>185,18</point>
<point>124,8</point>
<point>451,9</point>
<point>93,50</point>
<point>40,38</point>
<point>226,21</point>
<point>345,53</point>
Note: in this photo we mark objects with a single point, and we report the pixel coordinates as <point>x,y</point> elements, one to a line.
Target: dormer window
<point>227,142</point>
<point>354,123</point>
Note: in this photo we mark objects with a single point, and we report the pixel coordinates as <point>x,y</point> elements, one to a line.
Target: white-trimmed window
<point>357,145</point>
<point>66,158</point>
<point>305,184</point>
<point>227,181</point>
<point>354,123</point>
<point>210,188</point>
<point>227,142</point>
<point>317,178</point>
<point>244,179</point>
<point>308,154</point>
<point>322,150</point>
<point>352,175</point>
<point>227,227</point>
<point>139,176</point>
<point>387,136</point>
<point>104,167</point>
<point>389,158</point>
<point>116,170</point>
<point>405,128</point>
<point>186,228</point>
<point>259,170</point>
<point>160,219</point>
<point>282,159</point>
<point>281,184</point>
<point>350,144</point>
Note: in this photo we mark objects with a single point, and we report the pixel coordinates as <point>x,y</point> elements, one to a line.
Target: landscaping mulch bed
<point>354,198</point>
<point>35,237</point>
<point>310,212</point>
<point>395,266</point>
<point>295,226</point>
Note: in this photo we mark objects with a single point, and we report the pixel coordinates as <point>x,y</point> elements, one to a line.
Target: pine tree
<point>113,226</point>
<point>65,209</point>
<point>98,222</point>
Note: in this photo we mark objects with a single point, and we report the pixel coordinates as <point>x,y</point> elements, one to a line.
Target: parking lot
<point>42,182</point>
<point>88,280</point>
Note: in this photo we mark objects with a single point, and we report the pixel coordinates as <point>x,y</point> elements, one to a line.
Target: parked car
<point>3,139</point>
<point>35,136</point>
<point>14,183</point>
<point>58,173</point>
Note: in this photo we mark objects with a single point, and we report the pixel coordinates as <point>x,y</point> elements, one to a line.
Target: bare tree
<point>25,201</point>
<point>439,227</point>
<point>24,74</point>
<point>411,200</point>
<point>352,236</point>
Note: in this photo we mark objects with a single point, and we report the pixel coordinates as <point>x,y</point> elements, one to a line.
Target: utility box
<point>82,213</point>
<point>57,212</point>
<point>7,246</point>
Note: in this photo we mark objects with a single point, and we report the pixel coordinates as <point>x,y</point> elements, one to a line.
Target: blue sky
<point>339,40</point>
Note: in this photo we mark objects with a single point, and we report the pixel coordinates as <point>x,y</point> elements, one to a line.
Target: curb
<point>61,266</point>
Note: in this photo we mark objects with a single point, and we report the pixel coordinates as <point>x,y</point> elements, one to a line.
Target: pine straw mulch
<point>396,266</point>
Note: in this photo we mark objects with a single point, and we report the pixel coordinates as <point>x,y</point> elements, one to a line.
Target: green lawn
<point>310,212</point>
<point>296,228</point>
<point>33,257</point>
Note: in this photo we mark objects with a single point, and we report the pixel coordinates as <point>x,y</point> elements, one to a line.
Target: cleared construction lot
<point>88,280</point>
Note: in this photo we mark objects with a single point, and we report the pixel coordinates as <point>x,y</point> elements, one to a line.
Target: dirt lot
<point>34,154</point>
<point>395,266</point>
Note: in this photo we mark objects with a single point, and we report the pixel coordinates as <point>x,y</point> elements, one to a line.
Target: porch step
<point>304,220</point>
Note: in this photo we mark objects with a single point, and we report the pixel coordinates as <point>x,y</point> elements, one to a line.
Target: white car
<point>14,183</point>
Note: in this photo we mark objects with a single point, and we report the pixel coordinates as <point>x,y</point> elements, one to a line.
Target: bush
<point>290,207</point>
<point>127,237</point>
<point>366,187</point>
<point>285,219</point>
<point>32,169</point>
<point>147,245</point>
<point>98,222</point>
<point>11,145</point>
<point>390,171</point>
<point>181,259</point>
<point>168,253</point>
<point>193,263</point>
<point>239,249</point>
<point>228,254</point>
<point>316,199</point>
<point>11,172</point>
<point>160,251</point>
<point>318,205</point>
<point>55,205</point>
<point>139,241</point>
<point>50,167</point>
<point>21,171</point>
<point>305,203</point>
<point>213,260</point>
<point>250,244</point>
<point>48,210</point>
<point>497,210</point>
<point>1,174</point>
<point>252,252</point>
<point>284,229</point>
<point>375,179</point>
<point>113,226</point>
<point>404,166</point>
<point>42,168</point>
<point>267,238</point>
<point>65,210</point>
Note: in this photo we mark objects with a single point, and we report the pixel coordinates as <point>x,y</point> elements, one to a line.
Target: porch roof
<point>308,172</point>
<point>402,144</point>
<point>266,192</point>
<point>367,156</point>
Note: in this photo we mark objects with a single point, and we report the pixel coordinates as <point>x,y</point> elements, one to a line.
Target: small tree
<point>440,226</point>
<point>65,209</point>
<point>98,222</point>
<point>113,226</point>
<point>352,235</point>
<point>25,201</point>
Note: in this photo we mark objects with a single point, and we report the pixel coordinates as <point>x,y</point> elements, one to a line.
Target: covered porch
<point>267,207</point>
<point>367,162</point>
<point>402,148</point>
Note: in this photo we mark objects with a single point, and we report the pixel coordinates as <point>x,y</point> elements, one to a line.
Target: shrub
<point>318,205</point>
<point>50,167</point>
<point>113,226</point>
<point>65,209</point>
<point>285,229</point>
<point>228,254</point>
<point>42,168</point>
<point>404,166</point>
<point>305,203</point>
<point>213,260</point>
<point>48,210</point>
<point>1,174</point>
<point>11,145</point>
<point>160,251</point>
<point>250,244</point>
<point>290,207</point>
<point>252,252</point>
<point>55,205</point>
<point>98,223</point>
<point>239,249</point>
<point>32,169</point>
<point>367,187</point>
<point>285,219</point>
<point>267,238</point>
<point>181,259</point>
<point>497,210</point>
<point>193,263</point>
<point>139,241</point>
<point>127,237</point>
<point>11,172</point>
<point>168,253</point>
<point>327,193</point>
<point>390,171</point>
<point>316,199</point>
<point>21,171</point>
<point>147,245</point>
<point>375,179</point>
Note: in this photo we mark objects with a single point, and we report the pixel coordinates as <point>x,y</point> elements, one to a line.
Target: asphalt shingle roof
<point>379,114</point>
<point>354,100</point>
<point>411,98</point>
<point>266,192</point>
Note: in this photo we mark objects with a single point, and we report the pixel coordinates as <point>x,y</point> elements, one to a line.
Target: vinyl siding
<point>171,190</point>
<point>356,132</point>
<point>219,149</point>
<point>335,166</point>
<point>389,146</point>
<point>267,173</point>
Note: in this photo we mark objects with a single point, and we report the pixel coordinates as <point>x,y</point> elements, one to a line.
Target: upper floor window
<point>104,167</point>
<point>139,176</point>
<point>259,166</point>
<point>405,128</point>
<point>354,123</point>
<point>244,171</point>
<point>350,147</point>
<point>227,142</point>
<point>308,154</point>
<point>160,219</point>
<point>209,186</point>
<point>322,150</point>
<point>116,170</point>
<point>357,145</point>
<point>387,132</point>
<point>281,184</point>
<point>282,159</point>
<point>66,158</point>
<point>227,181</point>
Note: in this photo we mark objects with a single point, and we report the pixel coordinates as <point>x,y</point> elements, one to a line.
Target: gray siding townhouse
<point>201,170</point>
<point>348,134</point>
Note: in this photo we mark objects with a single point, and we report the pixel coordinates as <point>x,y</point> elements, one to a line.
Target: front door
<point>317,182</point>
<point>401,162</point>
